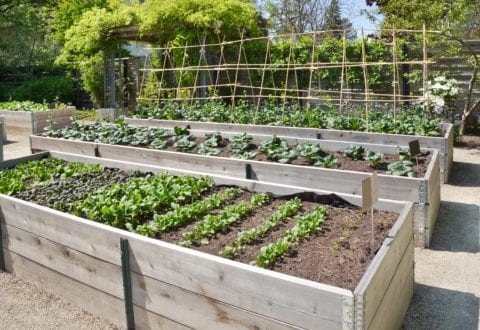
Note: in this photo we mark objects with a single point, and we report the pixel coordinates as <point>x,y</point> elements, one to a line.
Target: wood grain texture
<point>381,272</point>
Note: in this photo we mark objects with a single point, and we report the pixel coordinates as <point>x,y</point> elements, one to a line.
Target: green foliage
<point>47,89</point>
<point>311,150</point>
<point>374,158</point>
<point>131,201</point>
<point>328,162</point>
<point>283,212</point>
<point>213,224</point>
<point>354,152</point>
<point>28,175</point>
<point>278,150</point>
<point>239,145</point>
<point>89,29</point>
<point>401,168</point>
<point>404,153</point>
<point>24,106</point>
<point>306,226</point>
<point>381,119</point>
<point>185,214</point>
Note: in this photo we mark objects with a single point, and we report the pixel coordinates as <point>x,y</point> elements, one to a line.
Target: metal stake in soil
<point>127,284</point>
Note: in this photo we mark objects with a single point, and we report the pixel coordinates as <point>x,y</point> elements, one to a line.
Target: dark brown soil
<point>346,163</point>
<point>338,255</point>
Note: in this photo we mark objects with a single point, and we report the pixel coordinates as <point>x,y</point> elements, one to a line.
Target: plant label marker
<point>369,192</point>
<point>414,147</point>
<point>369,197</point>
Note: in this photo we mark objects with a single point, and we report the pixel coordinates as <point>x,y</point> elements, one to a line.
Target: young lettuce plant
<point>374,158</point>
<point>209,147</point>
<point>404,153</point>
<point>354,152</point>
<point>328,162</point>
<point>309,150</point>
<point>239,145</point>
<point>277,149</point>
<point>401,168</point>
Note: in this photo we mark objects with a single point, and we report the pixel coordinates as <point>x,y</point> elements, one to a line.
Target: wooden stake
<point>365,79</point>
<point>344,59</point>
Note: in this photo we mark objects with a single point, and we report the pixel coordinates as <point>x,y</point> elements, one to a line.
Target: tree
<point>102,29</point>
<point>334,24</point>
<point>454,20</point>
<point>296,16</point>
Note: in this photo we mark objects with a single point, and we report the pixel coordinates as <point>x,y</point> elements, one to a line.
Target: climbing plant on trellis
<point>293,70</point>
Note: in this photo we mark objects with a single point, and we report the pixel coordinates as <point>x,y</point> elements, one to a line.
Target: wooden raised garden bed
<point>177,288</point>
<point>443,144</point>
<point>36,122</point>
<point>423,192</point>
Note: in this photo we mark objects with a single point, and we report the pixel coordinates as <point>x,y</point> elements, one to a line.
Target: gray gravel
<point>447,275</point>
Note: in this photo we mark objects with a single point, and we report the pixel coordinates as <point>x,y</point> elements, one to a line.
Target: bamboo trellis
<point>223,70</point>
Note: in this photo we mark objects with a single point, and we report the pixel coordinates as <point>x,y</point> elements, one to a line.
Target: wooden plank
<point>82,267</point>
<point>383,268</point>
<point>391,187</point>
<point>203,274</point>
<point>3,122</point>
<point>21,119</point>
<point>58,122</point>
<point>10,163</point>
<point>348,182</point>
<point>252,185</point>
<point>84,296</point>
<point>192,162</point>
<point>149,294</point>
<point>301,132</point>
<point>420,216</point>
<point>444,143</point>
<point>45,115</point>
<point>223,280</point>
<point>396,301</point>
<point>433,207</point>
<point>194,310</point>
<point>47,144</point>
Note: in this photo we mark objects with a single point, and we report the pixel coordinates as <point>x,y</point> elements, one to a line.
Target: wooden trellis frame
<point>231,77</point>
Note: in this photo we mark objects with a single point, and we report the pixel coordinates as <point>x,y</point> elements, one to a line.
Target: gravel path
<point>447,275</point>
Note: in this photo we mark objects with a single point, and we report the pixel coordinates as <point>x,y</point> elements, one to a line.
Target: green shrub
<point>48,89</point>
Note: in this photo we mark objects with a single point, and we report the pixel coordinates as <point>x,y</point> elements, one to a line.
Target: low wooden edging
<point>38,121</point>
<point>178,288</point>
<point>3,123</point>
<point>444,144</point>
<point>423,192</point>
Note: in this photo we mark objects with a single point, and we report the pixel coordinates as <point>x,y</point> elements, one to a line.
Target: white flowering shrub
<point>440,95</point>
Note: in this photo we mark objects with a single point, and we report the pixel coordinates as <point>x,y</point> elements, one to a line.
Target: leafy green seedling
<point>401,168</point>
<point>374,158</point>
<point>354,152</point>
<point>404,153</point>
<point>329,162</point>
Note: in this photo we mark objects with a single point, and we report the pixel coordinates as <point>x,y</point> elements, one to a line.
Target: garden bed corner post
<point>127,283</point>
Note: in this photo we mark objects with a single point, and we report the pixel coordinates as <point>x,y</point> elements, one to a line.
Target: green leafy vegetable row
<point>307,225</point>
<point>284,211</point>
<point>213,224</point>
<point>411,121</point>
<point>183,215</point>
<point>140,197</point>
<point>26,176</point>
